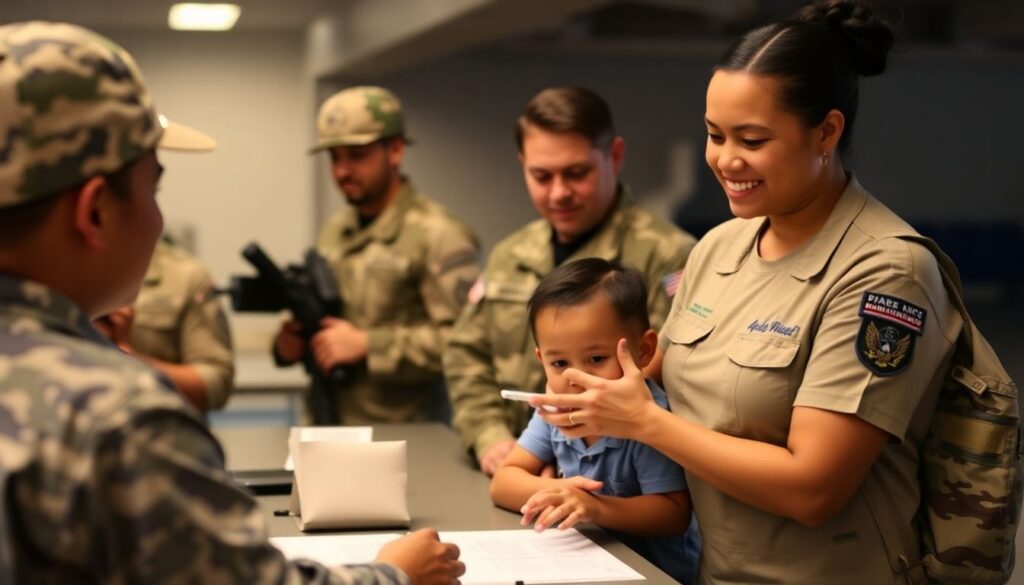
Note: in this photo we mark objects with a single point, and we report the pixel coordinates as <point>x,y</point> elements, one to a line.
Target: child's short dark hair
<point>577,282</point>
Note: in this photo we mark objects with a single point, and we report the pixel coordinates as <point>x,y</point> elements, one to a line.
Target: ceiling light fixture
<point>190,16</point>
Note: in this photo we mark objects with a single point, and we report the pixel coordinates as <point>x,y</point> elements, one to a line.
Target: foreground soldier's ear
<point>91,205</point>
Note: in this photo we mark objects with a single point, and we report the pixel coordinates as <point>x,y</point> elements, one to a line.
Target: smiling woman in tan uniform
<point>805,348</point>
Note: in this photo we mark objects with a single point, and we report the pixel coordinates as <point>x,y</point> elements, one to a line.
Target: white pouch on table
<point>341,484</point>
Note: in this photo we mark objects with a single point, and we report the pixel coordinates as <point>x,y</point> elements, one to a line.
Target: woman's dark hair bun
<point>868,37</point>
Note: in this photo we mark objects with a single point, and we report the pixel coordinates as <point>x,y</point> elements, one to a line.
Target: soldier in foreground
<point>106,476</point>
<point>403,266</point>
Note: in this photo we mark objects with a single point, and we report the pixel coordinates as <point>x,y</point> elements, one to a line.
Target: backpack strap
<point>951,280</point>
<point>972,452</point>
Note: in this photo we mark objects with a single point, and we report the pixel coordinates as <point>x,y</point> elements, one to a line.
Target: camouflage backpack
<point>971,467</point>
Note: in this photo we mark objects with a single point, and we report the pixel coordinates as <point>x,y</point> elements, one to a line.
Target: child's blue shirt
<point>627,468</point>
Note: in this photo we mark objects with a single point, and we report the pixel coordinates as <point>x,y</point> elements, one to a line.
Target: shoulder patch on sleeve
<point>889,329</point>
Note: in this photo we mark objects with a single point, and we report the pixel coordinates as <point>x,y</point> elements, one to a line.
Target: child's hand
<point>569,503</point>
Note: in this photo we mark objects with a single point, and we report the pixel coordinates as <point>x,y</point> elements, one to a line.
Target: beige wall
<point>250,92</point>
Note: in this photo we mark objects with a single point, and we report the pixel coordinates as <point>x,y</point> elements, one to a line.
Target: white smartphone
<point>525,397</point>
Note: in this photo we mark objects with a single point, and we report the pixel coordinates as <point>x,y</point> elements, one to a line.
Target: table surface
<point>446,491</point>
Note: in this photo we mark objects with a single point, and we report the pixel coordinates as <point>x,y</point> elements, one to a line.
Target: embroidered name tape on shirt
<point>888,332</point>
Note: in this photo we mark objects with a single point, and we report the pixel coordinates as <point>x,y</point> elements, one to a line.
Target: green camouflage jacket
<point>404,279</point>
<point>179,320</point>
<point>107,476</point>
<point>491,347</point>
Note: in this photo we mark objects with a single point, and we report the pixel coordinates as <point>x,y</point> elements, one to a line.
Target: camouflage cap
<point>358,115</point>
<point>73,105</point>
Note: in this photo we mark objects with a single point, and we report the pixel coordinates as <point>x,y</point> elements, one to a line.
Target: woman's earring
<point>823,161</point>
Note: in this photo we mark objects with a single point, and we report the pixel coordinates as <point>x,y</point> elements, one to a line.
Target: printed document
<point>491,556</point>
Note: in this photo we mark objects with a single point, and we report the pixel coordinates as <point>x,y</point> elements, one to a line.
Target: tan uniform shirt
<point>179,320</point>
<point>491,346</point>
<point>855,321</point>
<point>404,279</point>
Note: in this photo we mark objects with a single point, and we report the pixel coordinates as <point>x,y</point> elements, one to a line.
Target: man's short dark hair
<point>19,222</point>
<point>569,109</point>
<point>580,281</point>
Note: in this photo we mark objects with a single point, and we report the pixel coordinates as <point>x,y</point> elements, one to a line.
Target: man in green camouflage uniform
<point>106,475</point>
<point>177,325</point>
<point>403,266</point>
<point>571,161</point>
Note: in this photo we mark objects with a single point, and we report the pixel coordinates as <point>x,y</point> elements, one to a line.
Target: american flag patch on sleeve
<point>671,281</point>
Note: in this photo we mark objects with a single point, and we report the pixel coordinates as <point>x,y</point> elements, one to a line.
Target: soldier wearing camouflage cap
<point>403,266</point>
<point>106,475</point>
<point>571,159</point>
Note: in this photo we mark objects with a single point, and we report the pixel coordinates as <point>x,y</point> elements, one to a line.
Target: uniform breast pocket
<point>684,334</point>
<point>508,317</point>
<point>390,291</point>
<point>763,373</point>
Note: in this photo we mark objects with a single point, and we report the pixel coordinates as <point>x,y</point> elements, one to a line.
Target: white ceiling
<point>362,37</point>
<point>152,14</point>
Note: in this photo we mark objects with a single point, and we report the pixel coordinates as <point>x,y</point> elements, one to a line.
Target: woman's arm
<point>827,455</point>
<point>826,458</point>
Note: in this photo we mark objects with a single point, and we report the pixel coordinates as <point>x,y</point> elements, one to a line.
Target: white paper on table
<point>491,556</point>
<point>345,434</point>
<point>334,549</point>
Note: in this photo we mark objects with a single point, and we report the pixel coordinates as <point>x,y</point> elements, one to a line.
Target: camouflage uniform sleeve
<point>412,352</point>
<point>206,340</point>
<point>166,512</point>
<point>478,414</point>
<point>669,258</point>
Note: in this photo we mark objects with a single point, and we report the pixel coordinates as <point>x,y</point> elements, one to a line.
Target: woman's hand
<point>569,503</point>
<point>615,408</point>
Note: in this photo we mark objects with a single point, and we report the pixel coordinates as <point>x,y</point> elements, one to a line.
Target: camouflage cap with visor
<point>73,105</point>
<point>357,116</point>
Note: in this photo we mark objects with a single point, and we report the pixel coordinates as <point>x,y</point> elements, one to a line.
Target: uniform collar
<point>813,256</point>
<point>534,252</point>
<point>20,298</point>
<point>388,224</point>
